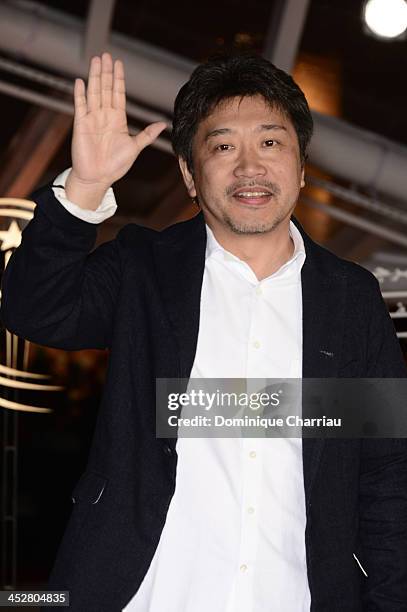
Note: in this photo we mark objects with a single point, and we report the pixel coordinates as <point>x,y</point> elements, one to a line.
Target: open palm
<point>102,148</point>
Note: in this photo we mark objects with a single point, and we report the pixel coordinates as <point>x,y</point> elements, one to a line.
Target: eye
<point>270,142</point>
<point>223,147</point>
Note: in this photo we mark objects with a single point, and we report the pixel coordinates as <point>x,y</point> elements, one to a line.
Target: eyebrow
<point>261,128</point>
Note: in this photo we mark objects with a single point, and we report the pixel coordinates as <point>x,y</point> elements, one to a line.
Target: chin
<point>241,226</point>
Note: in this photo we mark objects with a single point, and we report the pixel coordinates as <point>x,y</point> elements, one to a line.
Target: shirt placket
<point>252,468</point>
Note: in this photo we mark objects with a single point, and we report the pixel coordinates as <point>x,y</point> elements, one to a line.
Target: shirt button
<point>243,567</point>
<point>256,344</point>
<point>250,510</point>
<point>259,290</point>
<point>252,454</point>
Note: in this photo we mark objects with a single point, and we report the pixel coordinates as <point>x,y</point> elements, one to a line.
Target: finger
<point>148,135</point>
<point>93,93</point>
<point>79,99</point>
<point>106,80</point>
<point>119,86</point>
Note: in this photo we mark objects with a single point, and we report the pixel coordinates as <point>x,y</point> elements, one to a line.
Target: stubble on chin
<point>250,227</point>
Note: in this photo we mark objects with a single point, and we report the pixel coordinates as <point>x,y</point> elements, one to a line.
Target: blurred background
<point>349,57</point>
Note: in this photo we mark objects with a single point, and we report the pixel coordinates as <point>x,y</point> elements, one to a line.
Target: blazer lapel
<point>323,295</point>
<point>180,263</point>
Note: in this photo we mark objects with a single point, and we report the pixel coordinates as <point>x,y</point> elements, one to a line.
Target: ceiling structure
<point>355,202</point>
<point>373,71</point>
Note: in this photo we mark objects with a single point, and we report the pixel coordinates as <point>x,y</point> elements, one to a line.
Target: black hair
<point>227,76</point>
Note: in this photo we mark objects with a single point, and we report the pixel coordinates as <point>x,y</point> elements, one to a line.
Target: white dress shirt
<point>234,536</point>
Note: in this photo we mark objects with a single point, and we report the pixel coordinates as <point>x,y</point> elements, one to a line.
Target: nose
<point>249,164</point>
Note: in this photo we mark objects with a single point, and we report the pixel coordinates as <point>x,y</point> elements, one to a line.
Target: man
<point>212,524</point>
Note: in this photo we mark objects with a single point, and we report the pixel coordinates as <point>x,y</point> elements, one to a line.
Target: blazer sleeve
<point>383,482</point>
<point>55,291</point>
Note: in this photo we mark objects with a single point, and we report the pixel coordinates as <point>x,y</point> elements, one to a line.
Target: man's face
<point>247,169</point>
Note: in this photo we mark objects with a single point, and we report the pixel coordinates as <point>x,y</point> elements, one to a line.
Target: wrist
<point>86,195</point>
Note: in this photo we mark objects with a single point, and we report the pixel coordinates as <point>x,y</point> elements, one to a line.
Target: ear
<point>302,177</point>
<point>187,176</point>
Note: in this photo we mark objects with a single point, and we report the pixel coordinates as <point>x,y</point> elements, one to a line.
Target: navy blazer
<point>139,296</point>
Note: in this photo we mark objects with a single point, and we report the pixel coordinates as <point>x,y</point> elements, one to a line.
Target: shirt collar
<point>298,256</point>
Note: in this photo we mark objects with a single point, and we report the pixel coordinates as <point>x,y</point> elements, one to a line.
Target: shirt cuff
<point>106,208</point>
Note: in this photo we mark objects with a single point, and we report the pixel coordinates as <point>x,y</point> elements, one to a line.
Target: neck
<point>264,253</point>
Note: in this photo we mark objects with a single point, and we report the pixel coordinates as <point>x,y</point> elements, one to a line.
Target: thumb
<point>148,135</point>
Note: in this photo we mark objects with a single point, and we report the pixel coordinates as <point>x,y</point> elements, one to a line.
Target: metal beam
<point>54,39</point>
<point>364,224</point>
<point>284,33</point>
<point>98,24</point>
<point>66,86</point>
<point>62,106</point>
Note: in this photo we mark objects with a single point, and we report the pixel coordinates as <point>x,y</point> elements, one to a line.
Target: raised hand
<point>102,148</point>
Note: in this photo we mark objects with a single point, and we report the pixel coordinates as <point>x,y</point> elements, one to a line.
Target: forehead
<point>247,111</point>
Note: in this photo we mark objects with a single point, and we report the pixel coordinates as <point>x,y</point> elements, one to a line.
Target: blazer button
<point>167,449</point>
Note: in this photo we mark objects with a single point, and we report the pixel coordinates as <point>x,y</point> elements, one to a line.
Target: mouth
<point>253,197</point>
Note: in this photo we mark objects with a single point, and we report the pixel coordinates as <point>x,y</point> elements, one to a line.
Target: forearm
<point>54,292</point>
